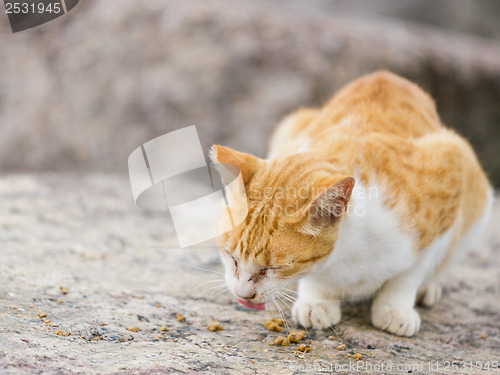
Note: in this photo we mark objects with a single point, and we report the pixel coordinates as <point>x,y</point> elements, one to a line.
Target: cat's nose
<point>248,296</point>
<point>245,291</point>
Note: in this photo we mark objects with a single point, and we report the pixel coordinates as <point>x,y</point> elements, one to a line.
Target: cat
<point>369,196</point>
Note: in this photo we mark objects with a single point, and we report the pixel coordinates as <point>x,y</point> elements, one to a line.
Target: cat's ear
<point>229,163</point>
<point>330,204</point>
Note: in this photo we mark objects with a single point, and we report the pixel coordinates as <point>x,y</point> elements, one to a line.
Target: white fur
<point>370,249</point>
<point>476,229</point>
<point>373,255</point>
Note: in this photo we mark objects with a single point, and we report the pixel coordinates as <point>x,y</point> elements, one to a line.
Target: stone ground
<point>123,269</point>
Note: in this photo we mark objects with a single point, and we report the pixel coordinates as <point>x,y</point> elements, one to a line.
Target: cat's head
<point>295,209</point>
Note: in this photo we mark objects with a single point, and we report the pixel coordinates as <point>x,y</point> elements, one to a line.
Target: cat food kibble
<point>280,340</point>
<point>61,333</point>
<point>296,336</point>
<point>164,328</point>
<point>305,348</point>
<point>214,326</point>
<point>274,324</point>
<point>134,329</point>
<point>358,356</point>
<point>181,318</point>
<point>64,290</point>
<point>342,347</point>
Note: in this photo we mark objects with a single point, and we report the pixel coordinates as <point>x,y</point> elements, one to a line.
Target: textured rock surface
<point>123,269</point>
<point>80,92</point>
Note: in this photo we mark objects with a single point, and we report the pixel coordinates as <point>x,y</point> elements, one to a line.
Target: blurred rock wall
<point>81,92</point>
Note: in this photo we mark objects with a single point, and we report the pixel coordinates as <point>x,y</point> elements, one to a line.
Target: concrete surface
<point>122,269</point>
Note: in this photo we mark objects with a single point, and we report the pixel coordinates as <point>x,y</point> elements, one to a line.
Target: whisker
<point>307,331</point>
<point>285,321</point>
<point>290,290</point>
<point>207,282</point>
<point>209,290</point>
<point>284,295</point>
<point>211,298</point>
<point>289,298</point>
<point>206,270</point>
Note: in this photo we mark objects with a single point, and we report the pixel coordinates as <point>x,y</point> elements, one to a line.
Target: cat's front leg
<point>393,308</point>
<point>317,305</point>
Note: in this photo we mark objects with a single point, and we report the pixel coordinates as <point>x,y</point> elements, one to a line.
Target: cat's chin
<point>252,305</point>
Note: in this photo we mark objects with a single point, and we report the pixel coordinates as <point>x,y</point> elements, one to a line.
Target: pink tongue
<point>256,306</point>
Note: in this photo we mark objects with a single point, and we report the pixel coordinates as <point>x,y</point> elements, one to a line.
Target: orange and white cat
<point>368,196</point>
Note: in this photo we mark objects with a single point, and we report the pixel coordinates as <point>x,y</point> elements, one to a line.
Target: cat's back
<point>380,102</point>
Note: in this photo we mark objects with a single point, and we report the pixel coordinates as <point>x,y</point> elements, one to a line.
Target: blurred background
<point>81,92</point>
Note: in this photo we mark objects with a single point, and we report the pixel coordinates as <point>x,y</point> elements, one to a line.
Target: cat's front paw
<point>431,295</point>
<point>396,320</point>
<point>317,314</point>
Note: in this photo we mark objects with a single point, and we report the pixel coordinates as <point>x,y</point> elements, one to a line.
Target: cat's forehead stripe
<point>256,237</point>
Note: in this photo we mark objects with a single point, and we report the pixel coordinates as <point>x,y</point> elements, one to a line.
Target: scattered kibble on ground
<point>134,329</point>
<point>305,348</point>
<point>42,315</point>
<point>358,356</point>
<point>64,290</point>
<point>214,326</point>
<point>181,318</point>
<point>61,333</point>
<point>164,328</point>
<point>342,347</point>
<point>274,324</point>
<point>483,336</point>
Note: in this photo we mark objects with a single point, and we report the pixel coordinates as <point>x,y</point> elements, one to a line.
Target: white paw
<point>399,321</point>
<point>431,295</point>
<point>317,314</point>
